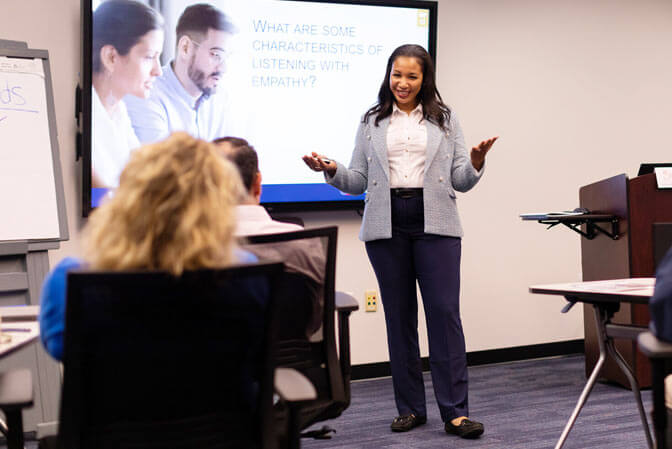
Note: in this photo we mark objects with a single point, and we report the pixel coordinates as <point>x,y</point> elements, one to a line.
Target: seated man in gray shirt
<point>184,96</point>
<point>306,257</point>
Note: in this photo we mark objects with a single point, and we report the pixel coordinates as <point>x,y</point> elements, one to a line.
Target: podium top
<point>646,168</point>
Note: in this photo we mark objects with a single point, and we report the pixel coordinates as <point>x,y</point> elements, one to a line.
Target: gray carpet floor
<point>524,405</point>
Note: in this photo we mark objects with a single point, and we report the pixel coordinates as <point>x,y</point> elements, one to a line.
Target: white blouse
<point>407,148</point>
<point>112,141</point>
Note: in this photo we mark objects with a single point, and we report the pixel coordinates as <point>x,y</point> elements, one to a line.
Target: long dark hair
<point>433,107</point>
<point>121,23</point>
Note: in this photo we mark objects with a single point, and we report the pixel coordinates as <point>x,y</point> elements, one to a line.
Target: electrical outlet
<point>371,300</point>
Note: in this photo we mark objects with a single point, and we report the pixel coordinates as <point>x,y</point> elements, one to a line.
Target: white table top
<point>630,286</point>
<point>20,324</point>
<point>22,333</point>
<point>631,289</point>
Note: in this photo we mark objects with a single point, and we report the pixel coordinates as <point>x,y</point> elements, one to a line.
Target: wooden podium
<point>645,231</point>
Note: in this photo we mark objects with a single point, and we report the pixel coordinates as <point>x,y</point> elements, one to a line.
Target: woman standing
<point>127,42</point>
<point>410,157</point>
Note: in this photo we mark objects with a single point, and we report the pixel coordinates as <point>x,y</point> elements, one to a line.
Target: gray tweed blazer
<point>447,169</point>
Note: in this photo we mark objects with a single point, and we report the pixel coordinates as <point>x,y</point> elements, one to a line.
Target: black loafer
<point>404,423</point>
<point>466,429</point>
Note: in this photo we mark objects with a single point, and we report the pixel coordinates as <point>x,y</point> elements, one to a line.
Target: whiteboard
<point>28,205</point>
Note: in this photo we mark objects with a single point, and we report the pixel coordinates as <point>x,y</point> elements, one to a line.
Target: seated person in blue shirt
<point>174,210</point>
<point>183,97</point>
<point>661,302</point>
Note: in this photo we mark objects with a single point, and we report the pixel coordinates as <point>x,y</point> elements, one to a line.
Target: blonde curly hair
<point>174,210</point>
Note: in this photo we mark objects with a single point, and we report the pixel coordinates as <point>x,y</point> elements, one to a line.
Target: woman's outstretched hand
<point>478,152</point>
<point>318,162</point>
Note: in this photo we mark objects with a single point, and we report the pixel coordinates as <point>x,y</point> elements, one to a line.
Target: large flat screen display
<point>290,77</point>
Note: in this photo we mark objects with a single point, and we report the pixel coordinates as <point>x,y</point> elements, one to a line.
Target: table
<point>23,333</point>
<point>605,297</point>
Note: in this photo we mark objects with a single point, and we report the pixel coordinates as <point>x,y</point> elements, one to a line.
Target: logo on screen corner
<point>423,18</point>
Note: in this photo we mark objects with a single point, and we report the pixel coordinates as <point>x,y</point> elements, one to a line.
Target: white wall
<point>577,91</point>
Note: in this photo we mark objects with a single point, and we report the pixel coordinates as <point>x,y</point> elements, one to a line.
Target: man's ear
<point>183,46</point>
<point>256,186</point>
<point>108,57</point>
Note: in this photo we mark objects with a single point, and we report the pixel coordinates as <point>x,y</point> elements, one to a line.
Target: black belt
<point>406,193</point>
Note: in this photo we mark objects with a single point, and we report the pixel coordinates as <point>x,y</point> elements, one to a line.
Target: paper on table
<point>664,177</point>
<point>632,286</point>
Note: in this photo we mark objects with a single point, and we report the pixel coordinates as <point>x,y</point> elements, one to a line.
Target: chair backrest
<point>153,360</point>
<point>312,352</point>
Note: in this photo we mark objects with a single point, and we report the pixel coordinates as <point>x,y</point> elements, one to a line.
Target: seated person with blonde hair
<point>173,211</point>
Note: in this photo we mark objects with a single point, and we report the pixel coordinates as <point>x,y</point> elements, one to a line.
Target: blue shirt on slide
<point>170,108</point>
<point>52,301</point>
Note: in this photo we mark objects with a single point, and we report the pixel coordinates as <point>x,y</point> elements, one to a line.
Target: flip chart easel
<point>32,204</point>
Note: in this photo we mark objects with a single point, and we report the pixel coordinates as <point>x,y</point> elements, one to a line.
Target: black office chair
<point>287,219</point>
<point>299,345</point>
<point>157,361</point>
<point>659,353</point>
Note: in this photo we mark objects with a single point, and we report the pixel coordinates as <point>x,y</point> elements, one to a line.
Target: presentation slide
<point>298,77</point>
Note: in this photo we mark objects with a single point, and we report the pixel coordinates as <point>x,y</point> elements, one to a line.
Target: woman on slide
<point>127,42</point>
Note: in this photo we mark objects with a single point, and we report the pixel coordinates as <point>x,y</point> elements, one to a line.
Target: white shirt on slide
<point>112,141</point>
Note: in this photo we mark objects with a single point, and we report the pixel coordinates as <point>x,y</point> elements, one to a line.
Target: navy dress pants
<point>434,261</point>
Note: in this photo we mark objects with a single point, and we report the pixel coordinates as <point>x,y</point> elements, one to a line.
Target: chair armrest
<point>292,386</point>
<point>345,302</point>
<point>16,389</point>
<point>652,347</point>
